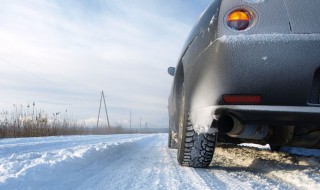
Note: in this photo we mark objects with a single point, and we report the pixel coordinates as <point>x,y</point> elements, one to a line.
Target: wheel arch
<point>178,81</point>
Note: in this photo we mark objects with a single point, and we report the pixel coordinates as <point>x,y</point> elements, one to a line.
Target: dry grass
<point>27,121</point>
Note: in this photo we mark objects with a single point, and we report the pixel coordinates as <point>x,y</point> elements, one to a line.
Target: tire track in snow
<point>35,169</point>
<point>37,144</point>
<point>184,177</point>
<point>145,162</point>
<point>148,164</point>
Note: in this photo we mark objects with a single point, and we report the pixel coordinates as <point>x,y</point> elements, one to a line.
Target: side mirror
<point>171,71</point>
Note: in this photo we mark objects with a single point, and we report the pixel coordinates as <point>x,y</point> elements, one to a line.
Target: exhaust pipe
<point>234,128</point>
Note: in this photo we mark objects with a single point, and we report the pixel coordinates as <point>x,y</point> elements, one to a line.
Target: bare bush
<point>30,122</point>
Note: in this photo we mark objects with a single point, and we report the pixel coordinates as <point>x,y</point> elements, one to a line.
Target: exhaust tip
<point>225,124</point>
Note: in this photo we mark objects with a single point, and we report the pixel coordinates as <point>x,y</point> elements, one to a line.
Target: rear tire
<point>194,150</point>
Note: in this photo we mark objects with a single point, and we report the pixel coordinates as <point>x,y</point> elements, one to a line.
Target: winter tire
<point>194,150</point>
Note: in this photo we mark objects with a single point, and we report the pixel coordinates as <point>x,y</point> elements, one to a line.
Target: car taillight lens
<point>242,99</point>
<point>239,19</point>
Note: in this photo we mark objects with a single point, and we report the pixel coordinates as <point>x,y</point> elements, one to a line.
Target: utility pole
<point>140,125</point>
<point>146,127</point>
<point>105,107</point>
<point>130,120</point>
<point>99,111</point>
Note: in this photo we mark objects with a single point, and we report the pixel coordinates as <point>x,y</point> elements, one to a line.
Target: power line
<point>16,51</point>
<point>25,70</point>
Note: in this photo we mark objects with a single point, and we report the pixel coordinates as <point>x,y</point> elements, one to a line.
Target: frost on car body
<point>253,76</point>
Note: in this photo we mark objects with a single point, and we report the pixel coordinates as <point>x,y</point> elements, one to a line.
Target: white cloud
<point>62,53</point>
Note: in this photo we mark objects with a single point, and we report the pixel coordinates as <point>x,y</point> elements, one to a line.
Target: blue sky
<point>61,54</point>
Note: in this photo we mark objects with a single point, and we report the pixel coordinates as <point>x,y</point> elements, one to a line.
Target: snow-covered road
<point>144,162</point>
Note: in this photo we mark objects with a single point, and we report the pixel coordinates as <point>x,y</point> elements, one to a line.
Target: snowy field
<point>145,162</point>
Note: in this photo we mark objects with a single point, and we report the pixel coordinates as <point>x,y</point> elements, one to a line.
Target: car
<point>249,72</point>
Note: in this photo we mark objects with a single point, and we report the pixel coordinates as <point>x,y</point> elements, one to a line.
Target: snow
<point>212,20</point>
<point>254,1</point>
<point>302,151</point>
<point>144,162</point>
<point>267,38</point>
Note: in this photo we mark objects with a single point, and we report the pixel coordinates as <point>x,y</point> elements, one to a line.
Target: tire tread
<point>198,149</point>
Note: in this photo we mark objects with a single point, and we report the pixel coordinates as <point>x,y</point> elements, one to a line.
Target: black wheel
<point>194,150</point>
<point>171,141</point>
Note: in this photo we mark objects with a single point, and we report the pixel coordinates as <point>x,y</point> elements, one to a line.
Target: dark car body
<point>274,64</point>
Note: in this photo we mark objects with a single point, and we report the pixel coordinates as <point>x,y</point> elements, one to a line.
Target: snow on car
<point>249,72</point>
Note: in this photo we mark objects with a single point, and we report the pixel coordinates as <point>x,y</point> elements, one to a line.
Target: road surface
<point>145,162</point>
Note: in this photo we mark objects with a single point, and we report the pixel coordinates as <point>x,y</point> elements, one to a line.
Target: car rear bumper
<point>279,67</point>
<point>203,119</point>
<point>287,115</point>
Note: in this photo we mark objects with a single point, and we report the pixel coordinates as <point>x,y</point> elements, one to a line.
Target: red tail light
<point>239,19</point>
<point>242,99</point>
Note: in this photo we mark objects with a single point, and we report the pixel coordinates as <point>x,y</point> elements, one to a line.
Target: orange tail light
<point>239,19</point>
